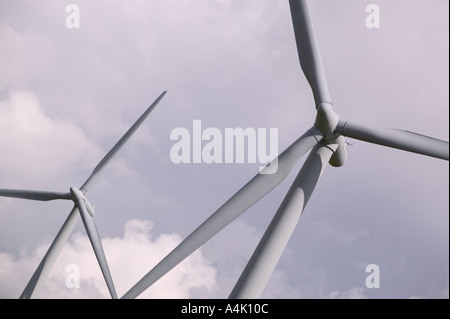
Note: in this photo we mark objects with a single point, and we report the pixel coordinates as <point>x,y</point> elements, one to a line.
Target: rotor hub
<point>326,121</point>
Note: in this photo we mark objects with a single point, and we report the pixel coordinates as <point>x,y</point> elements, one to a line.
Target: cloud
<point>24,57</point>
<point>129,257</point>
<point>280,286</point>
<point>32,142</point>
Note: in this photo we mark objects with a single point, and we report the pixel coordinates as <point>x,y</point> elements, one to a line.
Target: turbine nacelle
<point>327,121</point>
<point>79,195</point>
<point>339,157</point>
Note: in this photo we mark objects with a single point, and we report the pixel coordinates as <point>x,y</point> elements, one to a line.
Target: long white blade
<point>119,144</point>
<point>33,195</point>
<point>399,139</point>
<point>308,51</point>
<point>94,237</point>
<point>50,257</point>
<point>261,265</point>
<point>248,195</point>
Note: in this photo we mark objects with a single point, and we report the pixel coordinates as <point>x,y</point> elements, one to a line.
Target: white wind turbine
<point>326,139</point>
<point>82,207</point>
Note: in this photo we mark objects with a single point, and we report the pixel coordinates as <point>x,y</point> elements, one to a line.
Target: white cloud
<point>129,258</point>
<point>34,144</point>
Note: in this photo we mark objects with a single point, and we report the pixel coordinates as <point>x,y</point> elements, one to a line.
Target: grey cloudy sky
<point>67,95</point>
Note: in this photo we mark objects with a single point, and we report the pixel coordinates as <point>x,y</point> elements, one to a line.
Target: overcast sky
<point>67,95</point>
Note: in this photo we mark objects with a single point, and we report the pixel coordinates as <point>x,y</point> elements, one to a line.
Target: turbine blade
<point>33,195</point>
<point>119,144</point>
<point>399,139</point>
<point>259,269</point>
<point>248,195</point>
<point>94,237</point>
<point>50,257</point>
<point>308,51</point>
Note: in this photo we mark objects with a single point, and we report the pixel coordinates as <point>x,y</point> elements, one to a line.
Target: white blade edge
<point>33,195</point>
<point>308,51</point>
<point>394,138</point>
<point>50,256</point>
<point>94,238</point>
<point>248,195</point>
<point>119,144</point>
<point>261,265</point>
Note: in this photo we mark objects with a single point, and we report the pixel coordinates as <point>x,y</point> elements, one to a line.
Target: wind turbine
<point>325,139</point>
<point>81,208</point>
